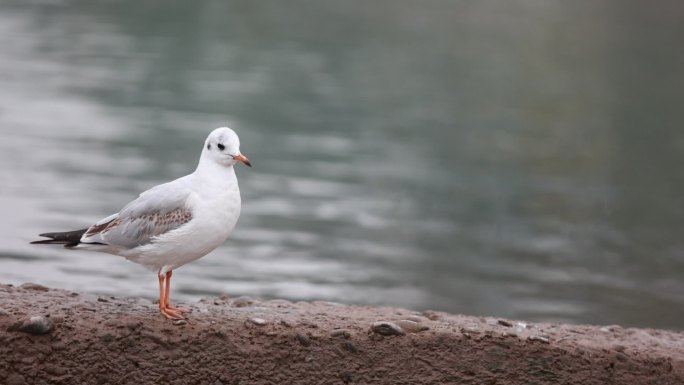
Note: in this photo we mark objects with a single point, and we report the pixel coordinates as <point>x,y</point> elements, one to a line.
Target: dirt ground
<point>52,336</point>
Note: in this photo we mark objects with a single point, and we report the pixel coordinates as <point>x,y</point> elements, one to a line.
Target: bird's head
<point>223,146</point>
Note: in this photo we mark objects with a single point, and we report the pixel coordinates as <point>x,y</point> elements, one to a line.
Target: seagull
<point>174,223</point>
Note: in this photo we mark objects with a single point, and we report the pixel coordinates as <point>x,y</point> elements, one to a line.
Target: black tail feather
<point>66,238</point>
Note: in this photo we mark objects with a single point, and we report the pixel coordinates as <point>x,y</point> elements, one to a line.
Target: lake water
<point>509,158</point>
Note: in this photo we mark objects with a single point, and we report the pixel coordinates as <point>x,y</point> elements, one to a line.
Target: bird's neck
<point>214,173</point>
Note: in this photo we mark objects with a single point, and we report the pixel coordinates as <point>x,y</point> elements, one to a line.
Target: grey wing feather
<point>157,211</point>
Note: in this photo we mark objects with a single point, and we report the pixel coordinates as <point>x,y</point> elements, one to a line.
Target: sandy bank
<point>84,339</point>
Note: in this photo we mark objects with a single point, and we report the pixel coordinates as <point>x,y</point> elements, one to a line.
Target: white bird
<point>174,223</point>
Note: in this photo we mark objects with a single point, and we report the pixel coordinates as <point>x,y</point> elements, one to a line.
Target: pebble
<point>412,326</point>
<point>386,328</point>
<point>56,370</point>
<point>36,325</point>
<point>344,333</point>
<point>179,322</point>
<point>303,339</point>
<point>107,338</point>
<point>33,286</point>
<point>3,312</point>
<point>505,323</point>
<point>538,338</point>
<point>58,345</point>
<point>257,321</point>
<point>611,328</point>
<point>416,318</point>
<point>243,301</point>
<point>520,326</point>
<point>350,347</point>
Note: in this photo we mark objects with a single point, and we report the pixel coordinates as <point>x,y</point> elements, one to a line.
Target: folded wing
<point>157,211</point>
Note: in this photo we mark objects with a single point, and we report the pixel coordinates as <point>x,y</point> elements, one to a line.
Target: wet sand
<point>53,336</point>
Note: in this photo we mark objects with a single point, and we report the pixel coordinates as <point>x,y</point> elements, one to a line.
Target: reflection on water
<point>514,159</point>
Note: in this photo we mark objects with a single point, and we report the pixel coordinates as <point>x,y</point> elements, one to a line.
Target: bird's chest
<point>217,213</point>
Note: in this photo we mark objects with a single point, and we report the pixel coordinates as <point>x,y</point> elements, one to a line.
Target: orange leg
<point>163,301</point>
<point>166,296</point>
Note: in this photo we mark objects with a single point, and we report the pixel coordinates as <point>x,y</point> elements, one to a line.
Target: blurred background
<point>508,158</point>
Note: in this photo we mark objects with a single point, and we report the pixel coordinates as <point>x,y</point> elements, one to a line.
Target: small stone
<point>242,301</point>
<point>539,338</point>
<point>180,322</point>
<point>504,322</point>
<point>412,326</point>
<point>257,321</point>
<point>3,313</point>
<point>344,333</point>
<point>416,318</point>
<point>610,328</point>
<point>36,325</point>
<point>303,339</point>
<point>386,328</point>
<point>56,370</point>
<point>33,286</point>
<point>58,345</point>
<point>621,356</point>
<point>102,299</point>
<point>350,347</point>
<point>520,326</point>
<point>107,338</point>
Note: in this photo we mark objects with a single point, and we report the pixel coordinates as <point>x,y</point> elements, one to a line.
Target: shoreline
<point>62,337</point>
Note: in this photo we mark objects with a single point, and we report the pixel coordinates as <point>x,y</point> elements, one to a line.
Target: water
<point>517,159</point>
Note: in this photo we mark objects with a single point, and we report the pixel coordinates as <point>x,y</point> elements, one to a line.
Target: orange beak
<point>243,159</point>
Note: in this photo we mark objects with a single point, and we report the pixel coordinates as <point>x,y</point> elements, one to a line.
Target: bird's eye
<point>221,146</point>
